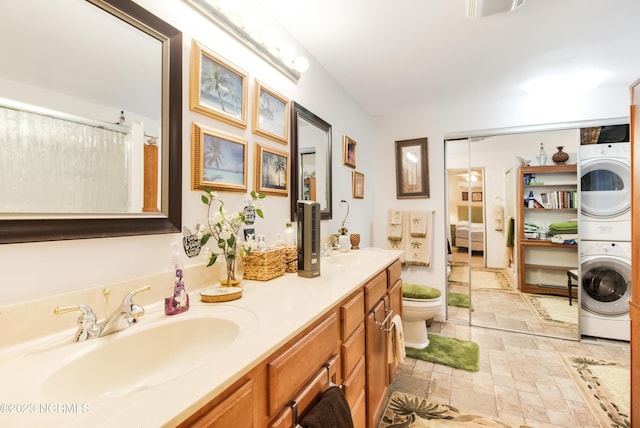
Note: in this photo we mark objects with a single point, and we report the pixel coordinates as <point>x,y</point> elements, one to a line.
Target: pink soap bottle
<point>179,302</point>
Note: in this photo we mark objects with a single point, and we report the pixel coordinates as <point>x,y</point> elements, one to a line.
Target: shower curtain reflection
<point>70,168</point>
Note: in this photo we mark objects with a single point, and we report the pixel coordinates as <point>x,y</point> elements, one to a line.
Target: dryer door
<point>606,286</point>
<point>605,188</point>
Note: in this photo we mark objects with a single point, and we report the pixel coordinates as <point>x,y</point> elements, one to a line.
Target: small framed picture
<point>218,160</point>
<point>476,196</point>
<point>465,196</point>
<point>218,88</point>
<point>270,114</point>
<point>357,182</point>
<point>412,169</point>
<point>272,171</point>
<point>348,152</point>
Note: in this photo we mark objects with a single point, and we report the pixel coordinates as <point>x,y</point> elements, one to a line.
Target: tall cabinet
<point>542,264</point>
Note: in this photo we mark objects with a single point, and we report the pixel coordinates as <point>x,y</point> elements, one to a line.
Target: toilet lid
<point>419,292</point>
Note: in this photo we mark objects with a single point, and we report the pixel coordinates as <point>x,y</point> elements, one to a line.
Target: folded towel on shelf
<point>417,250</point>
<point>394,225</point>
<point>396,351</point>
<point>332,411</point>
<point>418,224</point>
<point>570,227</point>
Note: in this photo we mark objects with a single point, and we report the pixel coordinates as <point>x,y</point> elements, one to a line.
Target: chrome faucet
<point>125,316</point>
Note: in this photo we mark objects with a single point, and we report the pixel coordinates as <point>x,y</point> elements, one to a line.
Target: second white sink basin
<point>143,356</point>
<point>348,258</point>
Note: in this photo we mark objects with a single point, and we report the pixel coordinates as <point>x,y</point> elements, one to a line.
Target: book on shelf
<point>560,199</point>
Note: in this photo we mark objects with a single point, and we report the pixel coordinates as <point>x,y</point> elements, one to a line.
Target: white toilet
<point>420,303</point>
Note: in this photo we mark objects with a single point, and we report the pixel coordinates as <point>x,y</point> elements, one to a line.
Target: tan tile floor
<point>521,378</point>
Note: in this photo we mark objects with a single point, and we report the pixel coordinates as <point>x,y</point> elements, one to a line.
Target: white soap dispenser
<point>289,234</point>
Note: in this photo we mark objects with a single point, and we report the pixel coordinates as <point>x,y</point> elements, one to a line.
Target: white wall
<point>35,270</point>
<point>435,122</point>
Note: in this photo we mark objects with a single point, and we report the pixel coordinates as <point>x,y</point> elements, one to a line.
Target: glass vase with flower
<point>223,229</point>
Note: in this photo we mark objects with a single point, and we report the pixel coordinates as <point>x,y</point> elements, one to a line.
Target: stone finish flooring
<point>521,379</point>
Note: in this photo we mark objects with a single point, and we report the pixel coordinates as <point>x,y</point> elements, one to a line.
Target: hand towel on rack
<point>332,411</point>
<point>417,251</point>
<point>418,224</point>
<point>498,217</point>
<point>394,225</point>
<point>396,351</point>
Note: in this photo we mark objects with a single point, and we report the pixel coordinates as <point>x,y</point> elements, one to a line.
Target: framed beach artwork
<point>412,169</point>
<point>348,152</point>
<point>218,160</point>
<point>272,171</point>
<point>270,114</point>
<point>357,183</point>
<point>218,88</point>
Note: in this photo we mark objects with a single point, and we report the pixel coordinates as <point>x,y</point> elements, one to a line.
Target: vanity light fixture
<point>245,27</point>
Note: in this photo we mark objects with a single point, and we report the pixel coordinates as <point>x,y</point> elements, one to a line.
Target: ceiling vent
<point>480,8</point>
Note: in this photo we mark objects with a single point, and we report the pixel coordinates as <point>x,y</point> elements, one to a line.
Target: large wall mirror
<point>310,160</point>
<point>90,121</point>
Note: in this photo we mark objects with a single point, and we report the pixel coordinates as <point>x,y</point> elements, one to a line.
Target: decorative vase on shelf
<point>542,155</point>
<point>560,156</point>
<point>355,241</point>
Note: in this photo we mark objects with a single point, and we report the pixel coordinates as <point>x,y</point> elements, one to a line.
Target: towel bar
<point>382,324</point>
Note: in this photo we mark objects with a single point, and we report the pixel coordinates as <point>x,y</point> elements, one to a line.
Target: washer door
<point>606,286</point>
<point>605,188</point>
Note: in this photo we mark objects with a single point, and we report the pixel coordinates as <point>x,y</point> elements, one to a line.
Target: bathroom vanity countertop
<point>282,308</point>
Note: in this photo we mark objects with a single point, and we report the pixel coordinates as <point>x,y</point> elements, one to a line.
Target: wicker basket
<point>291,259</point>
<point>264,265</point>
<point>589,135</point>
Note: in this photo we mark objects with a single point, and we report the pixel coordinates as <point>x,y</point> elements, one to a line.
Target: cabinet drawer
<point>395,271</point>
<point>352,350</point>
<point>300,361</point>
<point>351,315</point>
<point>354,383</point>
<point>375,289</point>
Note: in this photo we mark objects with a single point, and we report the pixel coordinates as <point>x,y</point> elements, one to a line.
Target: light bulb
<point>301,64</point>
<point>286,53</point>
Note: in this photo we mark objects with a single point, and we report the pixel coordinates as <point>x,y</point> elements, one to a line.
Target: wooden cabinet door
<point>234,411</point>
<point>376,361</point>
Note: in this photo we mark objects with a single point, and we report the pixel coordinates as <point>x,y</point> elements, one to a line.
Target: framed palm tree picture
<point>218,160</point>
<point>270,113</point>
<point>272,171</point>
<point>218,88</point>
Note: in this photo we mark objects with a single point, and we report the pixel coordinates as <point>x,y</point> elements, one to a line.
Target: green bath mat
<point>448,351</point>
<point>458,300</point>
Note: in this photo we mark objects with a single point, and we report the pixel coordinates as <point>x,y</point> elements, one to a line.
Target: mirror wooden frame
<point>298,111</point>
<point>54,229</point>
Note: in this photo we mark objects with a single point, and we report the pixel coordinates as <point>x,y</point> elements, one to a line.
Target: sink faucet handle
<point>106,292</point>
<point>87,321</point>
<point>133,310</point>
<point>140,290</point>
<point>86,310</point>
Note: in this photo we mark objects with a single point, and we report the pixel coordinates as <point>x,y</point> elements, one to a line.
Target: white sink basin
<point>146,355</point>
<point>348,258</point>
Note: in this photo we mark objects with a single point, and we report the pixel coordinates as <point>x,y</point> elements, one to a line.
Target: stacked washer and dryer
<point>605,239</point>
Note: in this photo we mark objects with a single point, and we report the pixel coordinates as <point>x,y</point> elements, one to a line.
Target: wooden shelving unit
<point>542,264</point>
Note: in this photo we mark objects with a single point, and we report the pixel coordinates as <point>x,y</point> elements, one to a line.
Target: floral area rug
<point>410,411</point>
<point>481,278</point>
<point>605,387</point>
<point>552,309</point>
